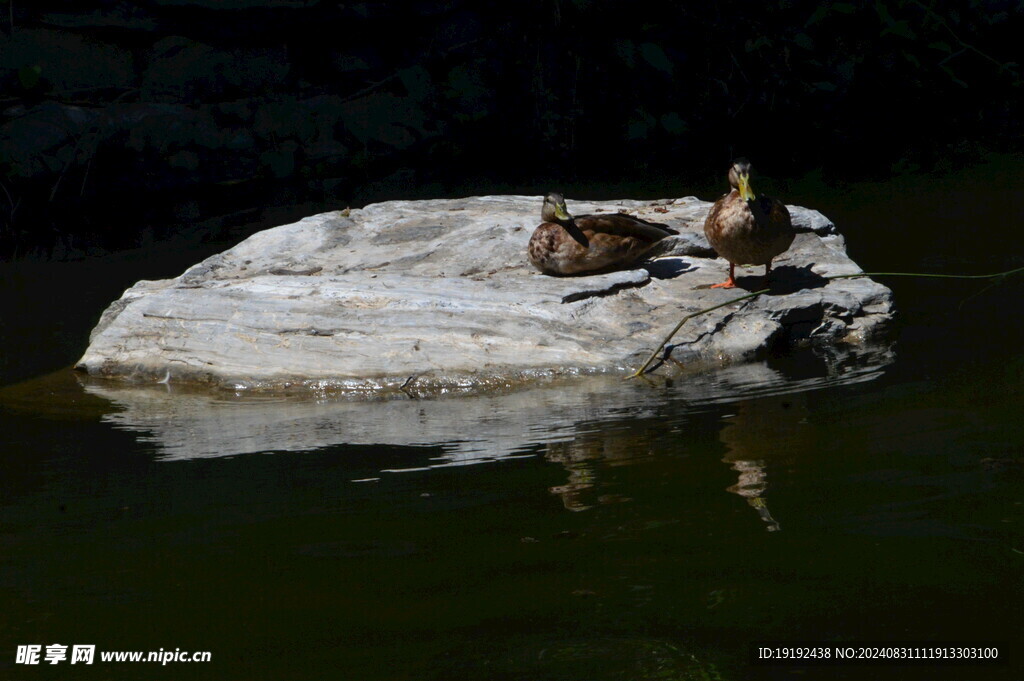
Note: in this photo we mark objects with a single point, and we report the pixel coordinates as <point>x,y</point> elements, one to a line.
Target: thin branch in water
<point>990,285</point>
<point>640,371</point>
<point>919,275</point>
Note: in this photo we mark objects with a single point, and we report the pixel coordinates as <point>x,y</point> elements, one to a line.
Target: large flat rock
<point>438,295</point>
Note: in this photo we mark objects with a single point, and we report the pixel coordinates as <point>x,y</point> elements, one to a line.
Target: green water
<point>645,531</point>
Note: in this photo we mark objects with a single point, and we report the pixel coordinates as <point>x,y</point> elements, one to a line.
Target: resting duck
<point>564,244</point>
<point>746,229</point>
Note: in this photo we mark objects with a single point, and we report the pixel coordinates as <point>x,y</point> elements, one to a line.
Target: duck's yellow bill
<point>561,212</point>
<point>746,193</point>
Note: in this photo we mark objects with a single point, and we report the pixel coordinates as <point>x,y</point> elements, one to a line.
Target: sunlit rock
<point>438,295</point>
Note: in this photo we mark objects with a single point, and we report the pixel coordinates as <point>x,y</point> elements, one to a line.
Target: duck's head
<point>739,178</point>
<point>554,209</point>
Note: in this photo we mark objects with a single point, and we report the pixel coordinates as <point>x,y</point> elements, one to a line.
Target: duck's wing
<point>778,215</point>
<point>620,224</point>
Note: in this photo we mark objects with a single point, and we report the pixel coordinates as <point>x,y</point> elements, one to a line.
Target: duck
<point>747,229</point>
<point>566,245</point>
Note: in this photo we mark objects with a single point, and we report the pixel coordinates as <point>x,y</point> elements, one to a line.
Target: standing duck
<point>564,244</point>
<point>746,229</point>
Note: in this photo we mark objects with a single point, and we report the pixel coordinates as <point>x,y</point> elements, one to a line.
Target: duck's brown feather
<point>748,233</point>
<point>593,243</point>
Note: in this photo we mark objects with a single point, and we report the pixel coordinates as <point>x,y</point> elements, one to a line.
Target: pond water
<point>591,529</point>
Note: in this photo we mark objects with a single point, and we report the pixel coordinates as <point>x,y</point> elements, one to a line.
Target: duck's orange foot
<point>728,283</point>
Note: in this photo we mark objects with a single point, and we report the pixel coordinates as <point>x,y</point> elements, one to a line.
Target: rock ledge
<point>439,295</point>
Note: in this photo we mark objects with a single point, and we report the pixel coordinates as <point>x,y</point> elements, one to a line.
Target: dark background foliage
<point>116,115</point>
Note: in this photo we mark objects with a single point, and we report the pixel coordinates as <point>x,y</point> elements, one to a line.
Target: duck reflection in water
<point>752,485</point>
<point>759,433</point>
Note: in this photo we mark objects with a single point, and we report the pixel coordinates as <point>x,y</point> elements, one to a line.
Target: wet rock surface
<point>438,295</point>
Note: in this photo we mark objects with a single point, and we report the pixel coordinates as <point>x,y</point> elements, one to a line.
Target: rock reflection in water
<point>582,458</point>
<point>584,425</point>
